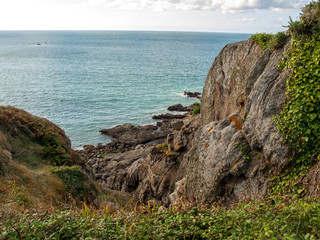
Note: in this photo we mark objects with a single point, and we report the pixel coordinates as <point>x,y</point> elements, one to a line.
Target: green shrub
<point>163,147</point>
<point>74,180</point>
<point>278,40</point>
<point>55,151</point>
<point>309,21</point>
<point>196,109</point>
<point>262,39</point>
<point>299,121</point>
<point>268,40</point>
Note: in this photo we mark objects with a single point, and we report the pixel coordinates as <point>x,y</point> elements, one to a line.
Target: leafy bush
<point>299,121</point>
<point>262,39</point>
<point>309,21</point>
<point>75,181</point>
<point>196,109</point>
<point>278,40</point>
<point>269,41</point>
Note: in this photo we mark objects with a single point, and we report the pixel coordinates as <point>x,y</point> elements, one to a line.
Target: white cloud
<point>252,19</point>
<point>226,6</point>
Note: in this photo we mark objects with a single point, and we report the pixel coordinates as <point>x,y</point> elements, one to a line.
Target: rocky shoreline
<point>143,160</point>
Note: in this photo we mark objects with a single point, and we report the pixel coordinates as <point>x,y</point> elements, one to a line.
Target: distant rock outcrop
<point>192,94</point>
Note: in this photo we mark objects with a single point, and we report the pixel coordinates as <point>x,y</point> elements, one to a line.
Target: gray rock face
<point>230,80</point>
<point>145,173</point>
<point>238,142</point>
<point>216,153</point>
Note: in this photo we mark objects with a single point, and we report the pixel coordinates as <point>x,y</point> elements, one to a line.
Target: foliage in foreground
<point>299,121</point>
<point>277,218</point>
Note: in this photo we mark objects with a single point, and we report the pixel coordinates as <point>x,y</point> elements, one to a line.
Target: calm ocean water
<point>85,81</point>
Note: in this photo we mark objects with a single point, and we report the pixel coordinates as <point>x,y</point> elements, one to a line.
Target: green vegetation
<point>268,40</point>
<point>244,151</point>
<point>75,181</point>
<point>163,147</point>
<point>299,121</point>
<point>196,109</point>
<point>309,22</point>
<point>262,39</point>
<point>47,141</point>
<point>277,218</point>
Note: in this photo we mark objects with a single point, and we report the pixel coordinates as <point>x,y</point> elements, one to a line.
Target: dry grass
<point>27,180</point>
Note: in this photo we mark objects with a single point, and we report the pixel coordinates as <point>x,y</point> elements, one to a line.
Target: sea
<point>85,81</point>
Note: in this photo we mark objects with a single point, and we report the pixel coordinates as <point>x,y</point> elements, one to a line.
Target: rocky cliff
<point>225,155</point>
<point>238,142</point>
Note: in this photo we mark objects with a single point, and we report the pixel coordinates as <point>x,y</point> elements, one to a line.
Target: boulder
<point>169,116</point>
<point>177,107</point>
<point>192,94</point>
<point>128,134</point>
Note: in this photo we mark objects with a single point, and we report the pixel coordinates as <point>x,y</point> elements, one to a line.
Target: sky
<point>238,16</point>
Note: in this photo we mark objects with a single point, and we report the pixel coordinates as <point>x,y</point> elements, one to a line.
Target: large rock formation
<point>238,142</point>
<point>230,80</point>
<point>228,158</point>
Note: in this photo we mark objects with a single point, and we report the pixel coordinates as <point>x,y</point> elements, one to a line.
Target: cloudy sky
<point>246,16</point>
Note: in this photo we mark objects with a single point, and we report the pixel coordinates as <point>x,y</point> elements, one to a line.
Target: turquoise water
<point>85,81</point>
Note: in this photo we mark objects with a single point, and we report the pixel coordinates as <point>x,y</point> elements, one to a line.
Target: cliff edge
<point>238,142</point>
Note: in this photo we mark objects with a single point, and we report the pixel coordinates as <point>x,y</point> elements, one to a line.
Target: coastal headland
<point>242,164</point>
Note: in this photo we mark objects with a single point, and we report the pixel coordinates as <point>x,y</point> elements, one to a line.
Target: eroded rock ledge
<point>140,162</point>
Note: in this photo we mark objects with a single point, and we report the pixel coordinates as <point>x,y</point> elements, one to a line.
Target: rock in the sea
<point>148,172</point>
<point>169,116</point>
<point>193,94</point>
<point>134,135</point>
<point>180,108</point>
